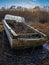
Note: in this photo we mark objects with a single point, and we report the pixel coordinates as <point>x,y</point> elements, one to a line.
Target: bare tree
<point>12,7</point>
<point>2,8</point>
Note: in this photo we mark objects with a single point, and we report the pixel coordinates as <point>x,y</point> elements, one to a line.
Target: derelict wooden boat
<point>20,34</point>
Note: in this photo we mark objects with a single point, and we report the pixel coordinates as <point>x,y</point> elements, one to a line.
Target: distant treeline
<point>29,15</point>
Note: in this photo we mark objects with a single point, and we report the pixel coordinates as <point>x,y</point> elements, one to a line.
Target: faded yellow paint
<point>19,44</point>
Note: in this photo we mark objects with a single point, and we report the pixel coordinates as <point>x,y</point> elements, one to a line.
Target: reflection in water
<point>27,56</point>
<point>30,56</point>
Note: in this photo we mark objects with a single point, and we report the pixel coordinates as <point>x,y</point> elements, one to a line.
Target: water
<point>30,56</point>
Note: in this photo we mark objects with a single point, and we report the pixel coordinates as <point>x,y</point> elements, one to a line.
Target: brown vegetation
<point>29,15</point>
<point>1,28</point>
<point>36,18</point>
<point>42,27</point>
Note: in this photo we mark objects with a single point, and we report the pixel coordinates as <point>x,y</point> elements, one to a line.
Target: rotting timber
<point>20,34</point>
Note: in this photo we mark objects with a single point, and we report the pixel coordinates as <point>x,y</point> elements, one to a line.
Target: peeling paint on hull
<point>23,42</point>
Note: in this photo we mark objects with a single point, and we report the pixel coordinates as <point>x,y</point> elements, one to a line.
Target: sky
<point>24,3</point>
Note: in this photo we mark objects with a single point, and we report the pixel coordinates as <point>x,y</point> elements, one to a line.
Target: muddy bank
<point>30,56</point>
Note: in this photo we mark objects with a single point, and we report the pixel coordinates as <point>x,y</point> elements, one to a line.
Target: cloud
<point>33,0</point>
<point>23,4</point>
<point>27,4</point>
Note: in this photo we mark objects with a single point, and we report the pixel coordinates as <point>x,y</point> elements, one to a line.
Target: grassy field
<point>35,17</point>
<point>41,27</point>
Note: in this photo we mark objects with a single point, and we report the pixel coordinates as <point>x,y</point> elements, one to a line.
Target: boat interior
<point>22,30</point>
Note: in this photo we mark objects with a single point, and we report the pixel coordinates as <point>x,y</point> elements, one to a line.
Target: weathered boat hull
<point>18,43</point>
<point>23,43</point>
